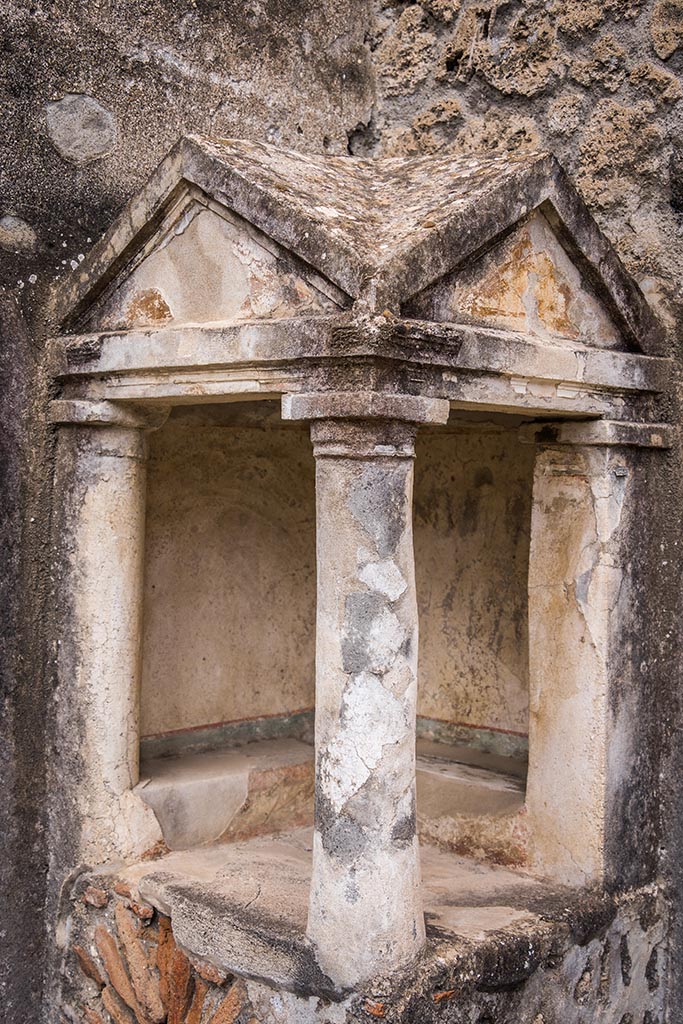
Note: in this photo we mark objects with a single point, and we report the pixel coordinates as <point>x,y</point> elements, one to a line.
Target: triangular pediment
<point>206,265</point>
<point>231,230</point>
<point>525,282</point>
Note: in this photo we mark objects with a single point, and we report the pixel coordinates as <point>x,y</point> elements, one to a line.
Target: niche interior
<point>228,665</point>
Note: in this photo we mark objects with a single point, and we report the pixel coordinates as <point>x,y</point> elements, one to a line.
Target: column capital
<point>594,433</point>
<point>80,412</point>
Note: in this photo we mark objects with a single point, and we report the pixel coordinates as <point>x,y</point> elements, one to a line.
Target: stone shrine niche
<point>349,464</point>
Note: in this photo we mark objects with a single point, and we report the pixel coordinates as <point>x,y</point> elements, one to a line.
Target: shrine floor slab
<point>243,907</point>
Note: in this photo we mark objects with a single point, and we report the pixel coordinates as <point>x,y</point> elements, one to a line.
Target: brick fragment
<point>194,1014</point>
<point>115,1007</point>
<point>209,972</point>
<point>91,1016</point>
<point>88,965</point>
<point>180,987</point>
<point>230,1008</point>
<point>142,910</point>
<point>145,981</point>
<point>116,971</point>
<point>165,948</point>
<point>95,897</point>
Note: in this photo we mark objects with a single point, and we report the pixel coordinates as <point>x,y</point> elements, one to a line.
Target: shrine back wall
<point>229,607</point>
<point>92,95</point>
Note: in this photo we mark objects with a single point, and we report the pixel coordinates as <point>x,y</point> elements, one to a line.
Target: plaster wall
<point>229,605</point>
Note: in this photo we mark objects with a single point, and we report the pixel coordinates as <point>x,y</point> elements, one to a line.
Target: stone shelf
<point>243,907</point>
<point>467,800</point>
<point>230,793</point>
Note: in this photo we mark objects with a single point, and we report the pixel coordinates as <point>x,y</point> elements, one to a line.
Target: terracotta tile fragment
<point>142,910</point>
<point>209,972</point>
<point>145,982</point>
<point>88,965</point>
<point>375,1008</point>
<point>122,889</point>
<point>115,1007</point>
<point>116,971</point>
<point>194,1014</point>
<point>231,1007</point>
<point>95,897</point>
<point>165,948</point>
<point>180,987</point>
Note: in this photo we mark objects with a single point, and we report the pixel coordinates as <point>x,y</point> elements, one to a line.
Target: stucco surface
<point>210,267</point>
<point>229,610</point>
<point>527,282</point>
<point>472,519</point>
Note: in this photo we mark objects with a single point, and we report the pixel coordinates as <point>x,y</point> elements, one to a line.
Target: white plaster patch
<point>371,718</point>
<point>385,578</point>
<point>282,1007</point>
<point>608,492</point>
<point>385,638</point>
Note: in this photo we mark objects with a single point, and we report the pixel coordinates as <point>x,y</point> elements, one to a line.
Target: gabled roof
<point>380,230</point>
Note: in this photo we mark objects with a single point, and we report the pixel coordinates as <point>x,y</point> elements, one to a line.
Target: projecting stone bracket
<point>108,414</point>
<point>610,433</point>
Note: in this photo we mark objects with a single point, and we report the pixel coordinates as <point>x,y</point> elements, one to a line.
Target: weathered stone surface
<point>509,947</point>
<point>80,128</point>
<point>16,235</point>
<point>666,27</point>
<point>606,65</point>
<point>299,75</point>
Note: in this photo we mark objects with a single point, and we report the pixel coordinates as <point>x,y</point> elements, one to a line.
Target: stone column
<point>99,522</point>
<point>365,913</point>
<point>581,749</point>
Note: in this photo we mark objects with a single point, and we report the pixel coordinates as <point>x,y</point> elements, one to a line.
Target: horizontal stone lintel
<point>107,414</point>
<point>294,342</point>
<point>599,432</point>
<point>335,405</point>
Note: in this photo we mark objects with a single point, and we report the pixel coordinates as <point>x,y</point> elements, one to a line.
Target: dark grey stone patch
<point>342,837</point>
<point>404,829</point>
<point>378,503</point>
<point>625,959</point>
<point>359,612</point>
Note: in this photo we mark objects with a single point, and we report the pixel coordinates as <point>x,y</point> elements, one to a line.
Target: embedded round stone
<point>80,128</point>
<point>17,235</point>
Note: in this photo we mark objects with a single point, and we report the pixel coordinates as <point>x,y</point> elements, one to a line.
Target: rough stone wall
<point>94,94</point>
<point>24,693</point>
<point>598,82</point>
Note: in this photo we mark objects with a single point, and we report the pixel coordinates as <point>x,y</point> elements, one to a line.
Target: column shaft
<point>578,597</point>
<point>365,914</point>
<point>100,510</point>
